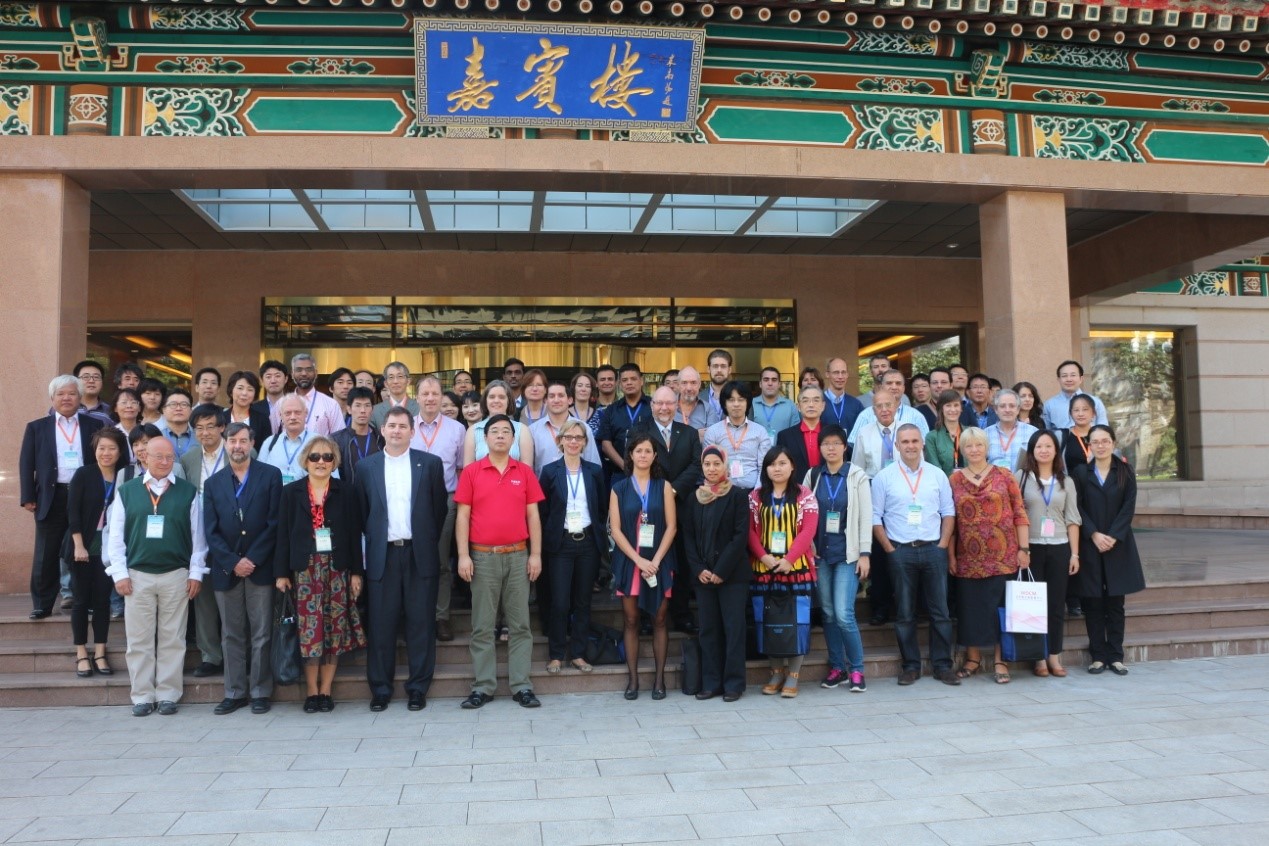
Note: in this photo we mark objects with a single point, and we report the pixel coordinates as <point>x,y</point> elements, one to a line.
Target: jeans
<point>838,583</point>
<point>924,568</point>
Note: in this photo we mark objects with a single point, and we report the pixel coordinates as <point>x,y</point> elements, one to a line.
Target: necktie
<point>887,445</point>
<point>665,435</point>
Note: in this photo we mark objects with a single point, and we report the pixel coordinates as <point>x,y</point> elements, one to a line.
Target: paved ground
<point>1175,753</point>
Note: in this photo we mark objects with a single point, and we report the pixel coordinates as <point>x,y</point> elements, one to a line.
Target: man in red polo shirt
<point>802,440</point>
<point>499,552</point>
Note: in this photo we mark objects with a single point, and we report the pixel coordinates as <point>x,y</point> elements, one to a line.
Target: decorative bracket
<point>90,49</point>
<point>986,77</point>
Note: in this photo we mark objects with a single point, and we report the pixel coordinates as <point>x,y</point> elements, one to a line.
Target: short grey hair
<point>400,365</point>
<point>298,357</point>
<point>63,381</point>
<point>288,398</point>
<point>914,427</point>
<point>1005,392</point>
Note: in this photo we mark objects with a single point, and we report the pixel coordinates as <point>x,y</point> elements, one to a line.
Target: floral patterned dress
<point>329,624</point>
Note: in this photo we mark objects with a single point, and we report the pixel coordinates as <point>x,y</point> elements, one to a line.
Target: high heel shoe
<point>102,666</point>
<point>83,674</point>
<point>632,691</point>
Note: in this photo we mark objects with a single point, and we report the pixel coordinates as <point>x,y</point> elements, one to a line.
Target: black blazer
<point>296,540</point>
<point>716,537</point>
<point>1073,454</point>
<point>1108,509</point>
<point>261,428</point>
<point>681,462</point>
<point>37,462</point>
<point>255,536</point>
<point>430,507</point>
<point>554,481</point>
<point>86,500</point>
<point>791,439</point>
<point>261,408</point>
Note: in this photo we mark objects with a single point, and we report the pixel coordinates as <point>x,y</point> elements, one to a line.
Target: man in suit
<point>240,520</point>
<point>803,440</point>
<point>402,503</point>
<point>53,448</point>
<point>208,423</point>
<point>678,450</point>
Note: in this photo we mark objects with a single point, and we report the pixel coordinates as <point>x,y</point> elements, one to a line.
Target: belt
<point>498,550</point>
<point>405,542</point>
<point>916,544</point>
<point>578,536</point>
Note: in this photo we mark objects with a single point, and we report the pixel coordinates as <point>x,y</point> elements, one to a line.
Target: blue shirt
<point>831,494</point>
<point>1006,453</point>
<point>620,419</point>
<point>1057,410</point>
<point>893,498</point>
<point>776,417</point>
<point>841,411</point>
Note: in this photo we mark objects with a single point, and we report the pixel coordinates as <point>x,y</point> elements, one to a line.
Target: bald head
<point>689,383</point>
<point>160,456</point>
<point>663,401</point>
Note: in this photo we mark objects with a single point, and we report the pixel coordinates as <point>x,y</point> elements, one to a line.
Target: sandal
<point>965,672</point>
<point>1041,669</point>
<point>772,687</point>
<point>102,666</point>
<point>581,666</point>
<point>553,666</point>
<point>1002,678</point>
<point>790,691</point>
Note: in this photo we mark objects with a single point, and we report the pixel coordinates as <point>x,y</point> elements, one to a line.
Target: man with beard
<point>323,416</point>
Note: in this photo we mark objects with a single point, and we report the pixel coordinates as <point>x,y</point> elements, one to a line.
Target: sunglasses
<point>324,457</point>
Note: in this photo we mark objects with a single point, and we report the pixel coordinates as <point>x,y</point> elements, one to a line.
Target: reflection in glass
<point>1135,372</point>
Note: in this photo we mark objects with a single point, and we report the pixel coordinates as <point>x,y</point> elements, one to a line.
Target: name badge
<point>647,536</point>
<point>323,540</point>
<point>914,514</point>
<point>833,523</point>
<point>779,543</point>
<point>154,526</point>
<point>70,458</point>
<point>736,469</point>
<point>573,520</point>
<point>288,478</point>
<point>1048,528</point>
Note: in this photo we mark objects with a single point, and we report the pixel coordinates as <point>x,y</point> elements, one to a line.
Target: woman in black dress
<point>1110,567</point>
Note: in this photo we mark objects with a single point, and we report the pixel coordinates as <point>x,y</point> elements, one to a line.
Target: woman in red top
<point>990,545</point>
<point>783,519</point>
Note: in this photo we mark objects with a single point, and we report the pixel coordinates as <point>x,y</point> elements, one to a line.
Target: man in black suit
<point>240,521</point>
<point>402,503</point>
<point>678,448</point>
<point>53,448</point>
<point>802,440</point>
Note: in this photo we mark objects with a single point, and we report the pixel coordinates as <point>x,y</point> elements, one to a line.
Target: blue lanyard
<point>833,491</point>
<point>290,456</point>
<point>839,405</point>
<point>643,494</point>
<point>110,487</point>
<point>634,415</point>
<point>530,419</point>
<point>768,412</point>
<point>573,489</point>
<point>215,464</point>
<point>311,407</point>
<point>362,452</point>
<point>239,489</point>
<point>1048,495</point>
<point>777,509</point>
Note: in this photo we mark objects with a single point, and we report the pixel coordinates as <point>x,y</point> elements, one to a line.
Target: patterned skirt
<point>328,620</point>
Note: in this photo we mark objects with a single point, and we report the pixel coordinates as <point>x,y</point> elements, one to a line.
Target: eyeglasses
<point>207,429</point>
<point>177,405</point>
<point>572,437</point>
<point>323,457</point>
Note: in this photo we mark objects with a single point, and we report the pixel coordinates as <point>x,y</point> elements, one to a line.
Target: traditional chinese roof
<point>1231,27</point>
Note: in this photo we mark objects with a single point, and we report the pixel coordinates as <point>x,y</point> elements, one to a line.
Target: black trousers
<point>572,577</point>
<point>1050,563</point>
<point>46,568</point>
<point>1104,619</point>
<point>684,585</point>
<point>880,585</point>
<point>404,593</point>
<point>720,611</point>
<point>90,590</point>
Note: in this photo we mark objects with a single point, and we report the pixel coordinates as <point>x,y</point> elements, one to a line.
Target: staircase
<point>1166,621</point>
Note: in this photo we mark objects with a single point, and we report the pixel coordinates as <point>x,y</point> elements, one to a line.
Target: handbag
<point>783,621</point>
<point>604,645</point>
<point>1026,605</point>
<point>1021,646</point>
<point>690,669</point>
<point>285,650</point>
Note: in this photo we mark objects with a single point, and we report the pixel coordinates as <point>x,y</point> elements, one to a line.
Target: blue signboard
<point>583,76</point>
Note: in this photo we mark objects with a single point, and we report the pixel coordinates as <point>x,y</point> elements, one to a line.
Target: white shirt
<point>869,452</point>
<point>210,466</point>
<point>116,541</point>
<point>577,503</point>
<point>397,478</point>
<point>70,453</point>
<point>905,414</point>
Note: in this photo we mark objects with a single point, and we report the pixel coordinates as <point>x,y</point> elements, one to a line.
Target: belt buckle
<point>578,536</point>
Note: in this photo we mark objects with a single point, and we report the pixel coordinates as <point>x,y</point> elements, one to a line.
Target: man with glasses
<point>324,416</point>
<point>157,555</point>
<point>803,440</point>
<point>840,408</point>
<point>175,424</point>
<point>92,379</point>
<point>396,378</point>
<point>199,465</point>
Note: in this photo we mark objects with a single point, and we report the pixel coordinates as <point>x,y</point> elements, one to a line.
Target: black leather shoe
<point>707,694</point>
<point>947,676</point>
<point>378,703</point>
<point>526,699</point>
<point>260,706</point>
<point>143,709</point>
<point>325,704</point>
<point>731,695</point>
<point>101,666</point>
<point>908,677</point>
<point>39,615</point>
<point>632,693</point>
<point>658,693</point>
<point>207,668</point>
<point>311,704</point>
<point>228,706</point>
<point>443,631</point>
<point>686,626</point>
<point>87,664</point>
<point>877,620</point>
<point>167,708</point>
<point>475,700</point>
<point>417,702</point>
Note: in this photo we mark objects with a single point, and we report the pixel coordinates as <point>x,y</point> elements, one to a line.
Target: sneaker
<point>857,683</point>
<point>833,679</point>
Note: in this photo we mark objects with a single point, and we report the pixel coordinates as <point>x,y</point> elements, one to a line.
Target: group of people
<point>361,505</point>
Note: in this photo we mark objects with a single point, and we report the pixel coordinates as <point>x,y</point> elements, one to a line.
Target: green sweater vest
<point>173,550</point>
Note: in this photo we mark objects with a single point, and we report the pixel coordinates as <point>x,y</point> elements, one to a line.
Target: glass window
<point>1136,374</point>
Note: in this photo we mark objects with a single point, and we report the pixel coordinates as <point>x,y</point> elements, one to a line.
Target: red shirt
<point>811,438</point>
<point>498,501</point>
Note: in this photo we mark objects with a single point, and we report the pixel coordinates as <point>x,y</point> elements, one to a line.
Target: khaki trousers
<point>500,579</point>
<point>155,617</point>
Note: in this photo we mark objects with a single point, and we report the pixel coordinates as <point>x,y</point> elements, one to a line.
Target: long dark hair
<point>1036,415</point>
<point>765,487</point>
<point>948,396</point>
<point>1032,467</point>
<point>633,441</point>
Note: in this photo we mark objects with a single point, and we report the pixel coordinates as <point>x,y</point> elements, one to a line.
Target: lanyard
<point>70,439</point>
<point>838,404</point>
<point>311,406</point>
<point>427,442</point>
<point>833,491</point>
<point>574,489</point>
<point>777,508</point>
<point>735,444</point>
<point>643,494</point>
<point>242,485</point>
<point>530,419</point>
<point>912,486</point>
<point>1080,441</point>
<point>362,452</point>
<point>154,500</point>
<point>176,442</point>
<point>1004,445</point>
<point>290,456</point>
<point>215,464</point>
<point>768,411</point>
<point>1048,495</point>
<point>633,414</point>
<point>110,487</point>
